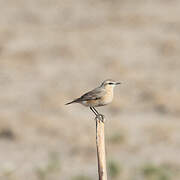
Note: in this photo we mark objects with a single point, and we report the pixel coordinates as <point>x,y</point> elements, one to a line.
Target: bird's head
<point>109,84</point>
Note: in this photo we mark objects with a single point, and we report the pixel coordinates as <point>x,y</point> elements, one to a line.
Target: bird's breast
<point>107,98</point>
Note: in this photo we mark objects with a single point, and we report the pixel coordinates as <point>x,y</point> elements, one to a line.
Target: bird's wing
<point>94,94</point>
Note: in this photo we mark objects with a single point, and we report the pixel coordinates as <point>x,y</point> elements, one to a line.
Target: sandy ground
<point>53,51</point>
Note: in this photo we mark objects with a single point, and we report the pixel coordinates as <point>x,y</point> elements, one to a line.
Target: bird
<point>97,97</point>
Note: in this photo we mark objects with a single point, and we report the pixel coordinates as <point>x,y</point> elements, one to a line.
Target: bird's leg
<point>94,111</point>
<point>98,115</point>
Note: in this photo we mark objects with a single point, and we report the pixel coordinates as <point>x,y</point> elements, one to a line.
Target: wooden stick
<point>101,155</point>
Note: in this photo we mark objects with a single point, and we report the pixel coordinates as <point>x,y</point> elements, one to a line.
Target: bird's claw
<point>100,117</point>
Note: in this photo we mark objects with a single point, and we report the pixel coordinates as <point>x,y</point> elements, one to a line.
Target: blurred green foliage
<point>157,172</point>
<point>113,169</point>
<point>81,177</point>
<point>52,166</point>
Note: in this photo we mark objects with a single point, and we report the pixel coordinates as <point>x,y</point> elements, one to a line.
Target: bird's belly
<point>93,103</point>
<point>97,102</point>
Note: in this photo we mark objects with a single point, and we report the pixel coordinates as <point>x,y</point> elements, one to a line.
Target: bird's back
<point>96,93</point>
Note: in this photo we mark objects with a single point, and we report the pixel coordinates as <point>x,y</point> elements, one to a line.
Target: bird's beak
<point>117,83</point>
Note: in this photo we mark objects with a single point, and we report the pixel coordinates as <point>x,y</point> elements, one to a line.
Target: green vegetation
<point>52,166</point>
<point>81,177</point>
<point>154,172</point>
<point>7,172</point>
<point>113,169</point>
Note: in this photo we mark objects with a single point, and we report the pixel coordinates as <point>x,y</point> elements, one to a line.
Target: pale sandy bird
<point>99,96</point>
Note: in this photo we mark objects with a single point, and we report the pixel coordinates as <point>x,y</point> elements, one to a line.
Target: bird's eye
<point>110,83</point>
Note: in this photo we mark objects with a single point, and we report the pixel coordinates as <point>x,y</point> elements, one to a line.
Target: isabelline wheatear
<point>99,96</point>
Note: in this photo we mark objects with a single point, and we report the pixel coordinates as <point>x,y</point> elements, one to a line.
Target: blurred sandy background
<point>53,51</point>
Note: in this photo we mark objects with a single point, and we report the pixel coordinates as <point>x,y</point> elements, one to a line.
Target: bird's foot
<point>100,117</point>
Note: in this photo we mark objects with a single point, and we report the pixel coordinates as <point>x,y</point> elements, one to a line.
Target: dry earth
<point>53,51</point>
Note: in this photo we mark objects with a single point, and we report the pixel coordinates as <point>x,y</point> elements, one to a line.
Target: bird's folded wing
<point>92,95</point>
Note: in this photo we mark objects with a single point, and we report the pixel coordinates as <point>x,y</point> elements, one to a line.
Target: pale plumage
<point>99,96</point>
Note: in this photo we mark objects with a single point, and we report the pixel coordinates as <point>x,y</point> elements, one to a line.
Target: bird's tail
<point>74,101</point>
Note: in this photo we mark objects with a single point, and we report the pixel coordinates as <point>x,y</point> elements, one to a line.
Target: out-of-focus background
<point>53,51</point>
